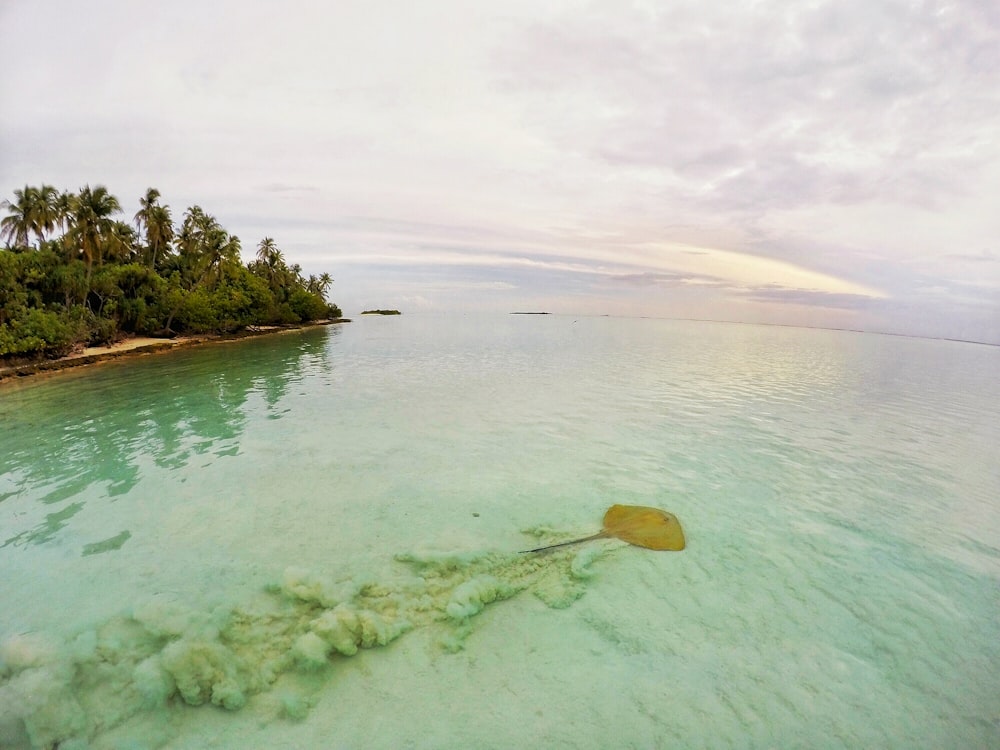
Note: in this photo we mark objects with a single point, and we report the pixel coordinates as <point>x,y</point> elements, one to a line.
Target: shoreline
<point>144,345</point>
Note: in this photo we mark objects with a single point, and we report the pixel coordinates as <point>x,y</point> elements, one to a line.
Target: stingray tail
<point>598,535</point>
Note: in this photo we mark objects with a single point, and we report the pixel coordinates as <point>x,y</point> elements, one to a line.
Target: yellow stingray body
<point>642,526</point>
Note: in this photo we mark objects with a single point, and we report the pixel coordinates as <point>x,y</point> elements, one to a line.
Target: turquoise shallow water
<point>194,544</point>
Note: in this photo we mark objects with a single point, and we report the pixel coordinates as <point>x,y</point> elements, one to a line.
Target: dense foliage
<point>71,273</point>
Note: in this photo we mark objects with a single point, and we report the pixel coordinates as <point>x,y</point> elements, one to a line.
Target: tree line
<point>72,273</point>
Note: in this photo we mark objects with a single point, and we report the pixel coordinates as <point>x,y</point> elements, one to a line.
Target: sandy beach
<point>142,345</point>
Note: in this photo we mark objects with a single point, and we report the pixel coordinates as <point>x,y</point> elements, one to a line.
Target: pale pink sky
<point>825,163</point>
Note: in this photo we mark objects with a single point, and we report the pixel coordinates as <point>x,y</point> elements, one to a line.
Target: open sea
<point>311,540</point>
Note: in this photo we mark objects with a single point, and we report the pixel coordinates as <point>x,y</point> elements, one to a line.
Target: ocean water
<point>311,540</point>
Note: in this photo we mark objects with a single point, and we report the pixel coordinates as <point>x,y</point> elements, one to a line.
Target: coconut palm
<point>270,261</point>
<point>267,249</point>
<point>157,223</point>
<point>121,241</point>
<point>191,240</point>
<point>19,222</point>
<point>64,209</point>
<point>221,253</point>
<point>91,223</point>
<point>146,205</point>
<point>318,284</point>
<point>325,282</point>
<point>159,233</point>
<point>35,211</point>
<point>45,212</point>
<point>206,249</point>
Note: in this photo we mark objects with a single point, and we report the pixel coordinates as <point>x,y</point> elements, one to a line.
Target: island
<point>381,312</point>
<point>75,276</point>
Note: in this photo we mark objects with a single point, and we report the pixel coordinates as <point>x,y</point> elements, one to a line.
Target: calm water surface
<point>185,539</point>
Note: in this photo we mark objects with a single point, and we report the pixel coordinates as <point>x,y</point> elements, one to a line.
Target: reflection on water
<point>44,531</point>
<point>58,442</point>
<point>838,491</point>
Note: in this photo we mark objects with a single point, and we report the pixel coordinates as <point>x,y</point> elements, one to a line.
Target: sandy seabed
<point>115,681</point>
<point>310,541</point>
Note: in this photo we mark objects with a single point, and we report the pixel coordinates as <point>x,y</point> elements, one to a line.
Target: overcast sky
<point>820,163</point>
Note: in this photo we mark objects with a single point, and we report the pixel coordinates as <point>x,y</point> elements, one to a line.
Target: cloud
<point>766,293</point>
<point>983,256</point>
<point>662,279</point>
<point>771,105</point>
<point>280,187</point>
<point>838,150</point>
<point>810,298</point>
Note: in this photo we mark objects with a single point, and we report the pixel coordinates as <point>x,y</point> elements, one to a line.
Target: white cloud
<point>841,152</point>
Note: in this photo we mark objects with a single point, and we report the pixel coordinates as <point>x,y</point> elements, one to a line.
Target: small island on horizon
<point>530,313</point>
<point>381,312</point>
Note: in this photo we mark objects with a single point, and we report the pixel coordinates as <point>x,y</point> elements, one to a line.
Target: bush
<point>242,301</point>
<point>103,331</point>
<point>307,306</point>
<point>197,314</point>
<point>38,332</point>
<point>283,314</point>
<point>51,298</point>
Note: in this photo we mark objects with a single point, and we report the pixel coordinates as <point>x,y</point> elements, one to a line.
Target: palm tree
<point>191,240</point>
<point>121,242</point>
<point>146,205</point>
<point>318,284</point>
<point>271,260</point>
<point>92,224</point>
<point>35,211</point>
<point>205,252</point>
<point>206,249</point>
<point>325,282</point>
<point>15,226</point>
<point>156,220</point>
<point>266,250</point>
<point>221,252</point>
<point>64,209</point>
<point>159,233</point>
<point>46,211</point>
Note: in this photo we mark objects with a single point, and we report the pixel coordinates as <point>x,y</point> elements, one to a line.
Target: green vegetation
<point>381,312</point>
<point>72,274</point>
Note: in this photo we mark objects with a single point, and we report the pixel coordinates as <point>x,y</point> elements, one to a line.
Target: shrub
<point>306,305</point>
<point>36,331</point>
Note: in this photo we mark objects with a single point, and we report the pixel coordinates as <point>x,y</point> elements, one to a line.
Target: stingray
<point>651,528</point>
